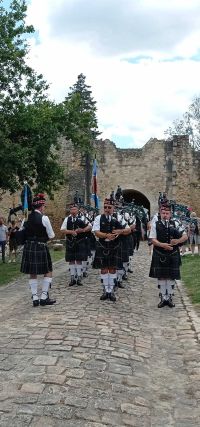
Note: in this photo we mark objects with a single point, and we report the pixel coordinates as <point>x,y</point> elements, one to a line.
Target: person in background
<point>3,238</point>
<point>194,232</point>
<point>12,241</point>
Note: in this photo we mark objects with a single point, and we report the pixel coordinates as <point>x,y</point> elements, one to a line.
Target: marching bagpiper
<point>165,265</point>
<point>36,258</point>
<point>108,256</point>
<point>74,229</point>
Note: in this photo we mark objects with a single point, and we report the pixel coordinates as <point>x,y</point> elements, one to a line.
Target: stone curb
<point>193,316</point>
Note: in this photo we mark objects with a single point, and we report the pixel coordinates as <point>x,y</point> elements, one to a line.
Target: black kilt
<point>36,258</point>
<point>165,265</point>
<point>76,250</point>
<point>125,242</point>
<point>108,255</point>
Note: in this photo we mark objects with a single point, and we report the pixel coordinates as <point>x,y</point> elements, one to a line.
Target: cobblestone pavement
<point>88,363</point>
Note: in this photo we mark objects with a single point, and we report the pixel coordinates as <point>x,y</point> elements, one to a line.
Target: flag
<point>94,184</point>
<point>25,204</point>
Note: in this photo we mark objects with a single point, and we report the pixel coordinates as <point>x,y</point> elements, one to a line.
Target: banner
<point>94,185</point>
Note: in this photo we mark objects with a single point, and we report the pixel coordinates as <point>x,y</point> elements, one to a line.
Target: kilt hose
<point>36,258</point>
<point>76,250</point>
<point>108,255</point>
<point>165,265</point>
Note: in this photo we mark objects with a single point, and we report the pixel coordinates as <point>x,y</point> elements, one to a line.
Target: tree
<point>189,124</point>
<point>29,122</point>
<point>80,124</point>
<point>79,109</point>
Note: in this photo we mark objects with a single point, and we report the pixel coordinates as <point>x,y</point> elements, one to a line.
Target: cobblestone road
<point>83,362</point>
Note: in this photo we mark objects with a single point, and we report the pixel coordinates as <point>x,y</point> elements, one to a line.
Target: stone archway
<point>139,198</point>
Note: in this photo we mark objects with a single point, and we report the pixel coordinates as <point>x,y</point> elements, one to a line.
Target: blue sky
<point>140,57</point>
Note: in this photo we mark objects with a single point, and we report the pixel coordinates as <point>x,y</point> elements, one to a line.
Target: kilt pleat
<point>108,255</point>
<point>76,250</point>
<point>36,258</point>
<point>125,242</point>
<point>165,265</point>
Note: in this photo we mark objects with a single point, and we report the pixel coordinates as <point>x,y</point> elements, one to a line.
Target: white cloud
<point>101,39</point>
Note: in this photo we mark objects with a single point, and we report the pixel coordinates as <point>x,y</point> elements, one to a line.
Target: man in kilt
<point>74,229</point>
<point>108,256</point>
<point>36,258</point>
<point>166,260</point>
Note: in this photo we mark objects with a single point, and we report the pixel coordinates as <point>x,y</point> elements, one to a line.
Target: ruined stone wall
<point>142,169</point>
<point>170,166</point>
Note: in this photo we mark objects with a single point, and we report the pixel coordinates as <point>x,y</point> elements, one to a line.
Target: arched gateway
<point>136,196</point>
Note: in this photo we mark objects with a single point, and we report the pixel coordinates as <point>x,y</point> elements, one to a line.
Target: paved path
<point>83,362</point>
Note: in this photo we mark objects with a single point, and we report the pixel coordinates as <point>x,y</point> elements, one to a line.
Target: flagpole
<point>25,205</point>
<point>95,197</point>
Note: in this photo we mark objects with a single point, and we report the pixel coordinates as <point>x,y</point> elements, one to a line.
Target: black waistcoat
<point>74,225</point>
<point>35,229</point>
<point>107,226</point>
<point>165,234</point>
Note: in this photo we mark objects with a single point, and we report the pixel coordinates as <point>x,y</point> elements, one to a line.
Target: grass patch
<point>190,275</point>
<point>10,272</point>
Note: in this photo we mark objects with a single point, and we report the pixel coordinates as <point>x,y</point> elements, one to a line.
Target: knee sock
<point>119,275</point>
<point>111,281</point>
<point>79,270</point>
<point>72,269</point>
<point>162,284</point>
<point>105,281</point>
<point>102,277</point>
<point>169,286</point>
<point>33,284</point>
<point>84,265</point>
<point>125,265</point>
<point>45,287</point>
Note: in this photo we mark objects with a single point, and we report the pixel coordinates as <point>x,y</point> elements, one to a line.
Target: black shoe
<point>85,274</point>
<point>120,285</point>
<point>79,283</point>
<point>112,296</point>
<point>72,281</point>
<point>124,277</point>
<point>170,303</point>
<point>104,296</point>
<point>130,271</point>
<point>36,303</point>
<point>47,301</point>
<point>162,303</point>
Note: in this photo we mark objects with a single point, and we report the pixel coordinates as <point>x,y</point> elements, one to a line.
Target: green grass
<point>190,275</point>
<point>10,272</point>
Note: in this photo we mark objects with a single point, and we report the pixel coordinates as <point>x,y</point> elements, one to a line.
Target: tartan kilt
<point>165,265</point>
<point>125,242</point>
<point>36,258</point>
<point>76,250</point>
<point>130,244</point>
<point>108,255</point>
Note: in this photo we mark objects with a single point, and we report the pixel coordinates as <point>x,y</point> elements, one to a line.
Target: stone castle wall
<point>160,165</point>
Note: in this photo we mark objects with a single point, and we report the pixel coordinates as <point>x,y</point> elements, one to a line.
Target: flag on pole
<point>94,184</point>
<point>25,204</point>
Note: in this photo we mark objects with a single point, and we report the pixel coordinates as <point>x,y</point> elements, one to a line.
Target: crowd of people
<point>106,241</point>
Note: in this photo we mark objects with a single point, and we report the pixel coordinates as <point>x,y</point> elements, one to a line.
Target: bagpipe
<point>25,205</point>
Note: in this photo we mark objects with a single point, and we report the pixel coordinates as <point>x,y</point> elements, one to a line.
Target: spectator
<point>12,241</point>
<point>3,237</point>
